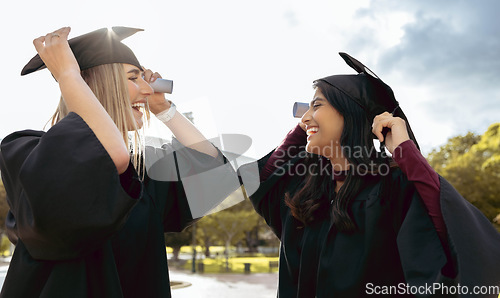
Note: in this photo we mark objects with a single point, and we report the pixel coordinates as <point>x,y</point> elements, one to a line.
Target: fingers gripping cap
<point>98,47</point>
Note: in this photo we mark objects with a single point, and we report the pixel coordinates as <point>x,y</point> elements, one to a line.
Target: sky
<point>239,66</point>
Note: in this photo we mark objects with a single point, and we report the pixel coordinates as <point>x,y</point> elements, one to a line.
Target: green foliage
<point>236,265</point>
<point>239,224</point>
<point>448,153</point>
<point>229,225</point>
<point>207,233</point>
<point>4,207</point>
<point>178,240</point>
<point>471,163</point>
<point>4,246</point>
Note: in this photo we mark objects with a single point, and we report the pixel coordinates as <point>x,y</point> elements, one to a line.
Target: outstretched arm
<point>293,143</point>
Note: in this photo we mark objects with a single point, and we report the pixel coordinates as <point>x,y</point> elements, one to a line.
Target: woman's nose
<point>146,88</point>
<point>306,117</point>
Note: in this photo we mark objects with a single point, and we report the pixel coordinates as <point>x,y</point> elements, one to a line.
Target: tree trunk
<point>228,242</point>
<point>252,240</point>
<point>207,248</point>
<point>175,252</point>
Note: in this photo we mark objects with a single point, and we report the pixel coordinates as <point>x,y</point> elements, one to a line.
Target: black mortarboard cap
<point>368,91</point>
<point>98,47</point>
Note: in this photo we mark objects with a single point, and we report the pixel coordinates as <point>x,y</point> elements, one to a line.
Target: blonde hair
<point>108,82</point>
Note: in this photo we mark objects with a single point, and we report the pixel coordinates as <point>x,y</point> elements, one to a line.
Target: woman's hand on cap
<point>397,134</point>
<point>55,52</point>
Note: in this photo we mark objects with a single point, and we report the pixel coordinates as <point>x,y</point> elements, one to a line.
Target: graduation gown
<point>81,229</point>
<point>396,250</point>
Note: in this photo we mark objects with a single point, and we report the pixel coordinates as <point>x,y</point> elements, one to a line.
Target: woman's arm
<point>187,134</point>
<point>293,143</point>
<point>414,166</point>
<point>417,170</point>
<point>425,179</point>
<point>59,59</point>
<point>62,190</point>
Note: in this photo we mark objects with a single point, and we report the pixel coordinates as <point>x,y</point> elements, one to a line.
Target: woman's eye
<point>316,106</point>
<point>133,79</point>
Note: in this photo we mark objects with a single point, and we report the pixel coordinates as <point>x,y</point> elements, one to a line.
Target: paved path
<point>255,285</point>
<point>3,272</point>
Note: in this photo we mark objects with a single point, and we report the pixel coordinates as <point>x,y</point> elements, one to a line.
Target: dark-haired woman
<point>355,222</point>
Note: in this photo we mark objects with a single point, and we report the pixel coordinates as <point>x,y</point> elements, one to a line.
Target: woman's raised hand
<point>157,102</point>
<point>397,134</point>
<point>55,52</point>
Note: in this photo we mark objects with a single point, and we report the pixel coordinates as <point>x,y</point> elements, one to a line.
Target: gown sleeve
<point>474,242</point>
<point>63,189</point>
<point>471,257</point>
<point>425,179</point>
<point>276,179</point>
<point>291,146</point>
<point>187,184</point>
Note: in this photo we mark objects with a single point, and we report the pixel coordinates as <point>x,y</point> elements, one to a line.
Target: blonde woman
<point>86,218</point>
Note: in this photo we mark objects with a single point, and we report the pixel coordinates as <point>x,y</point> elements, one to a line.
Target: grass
<point>199,249</point>
<point>236,265</point>
<point>259,263</point>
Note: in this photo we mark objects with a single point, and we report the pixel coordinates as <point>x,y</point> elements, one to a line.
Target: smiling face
<point>139,90</point>
<point>324,125</point>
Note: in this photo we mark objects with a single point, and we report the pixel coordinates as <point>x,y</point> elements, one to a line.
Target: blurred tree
<point>177,240</point>
<point>231,225</point>
<point>471,164</point>
<point>240,223</point>
<point>228,226</point>
<point>455,147</point>
<point>207,233</point>
<point>256,227</point>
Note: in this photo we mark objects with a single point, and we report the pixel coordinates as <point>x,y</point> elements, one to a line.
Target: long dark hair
<point>310,203</point>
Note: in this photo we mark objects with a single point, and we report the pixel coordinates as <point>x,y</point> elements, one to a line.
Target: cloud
<point>449,48</point>
<point>291,18</point>
<point>445,40</point>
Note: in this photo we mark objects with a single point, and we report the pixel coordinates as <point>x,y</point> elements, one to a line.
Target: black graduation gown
<point>396,250</point>
<point>79,233</point>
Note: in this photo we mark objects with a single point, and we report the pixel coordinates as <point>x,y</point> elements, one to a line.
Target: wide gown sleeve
<point>277,177</point>
<point>187,184</point>
<point>63,190</point>
<point>268,199</point>
<point>473,240</point>
<point>474,247</point>
<point>292,145</point>
<point>426,181</point>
